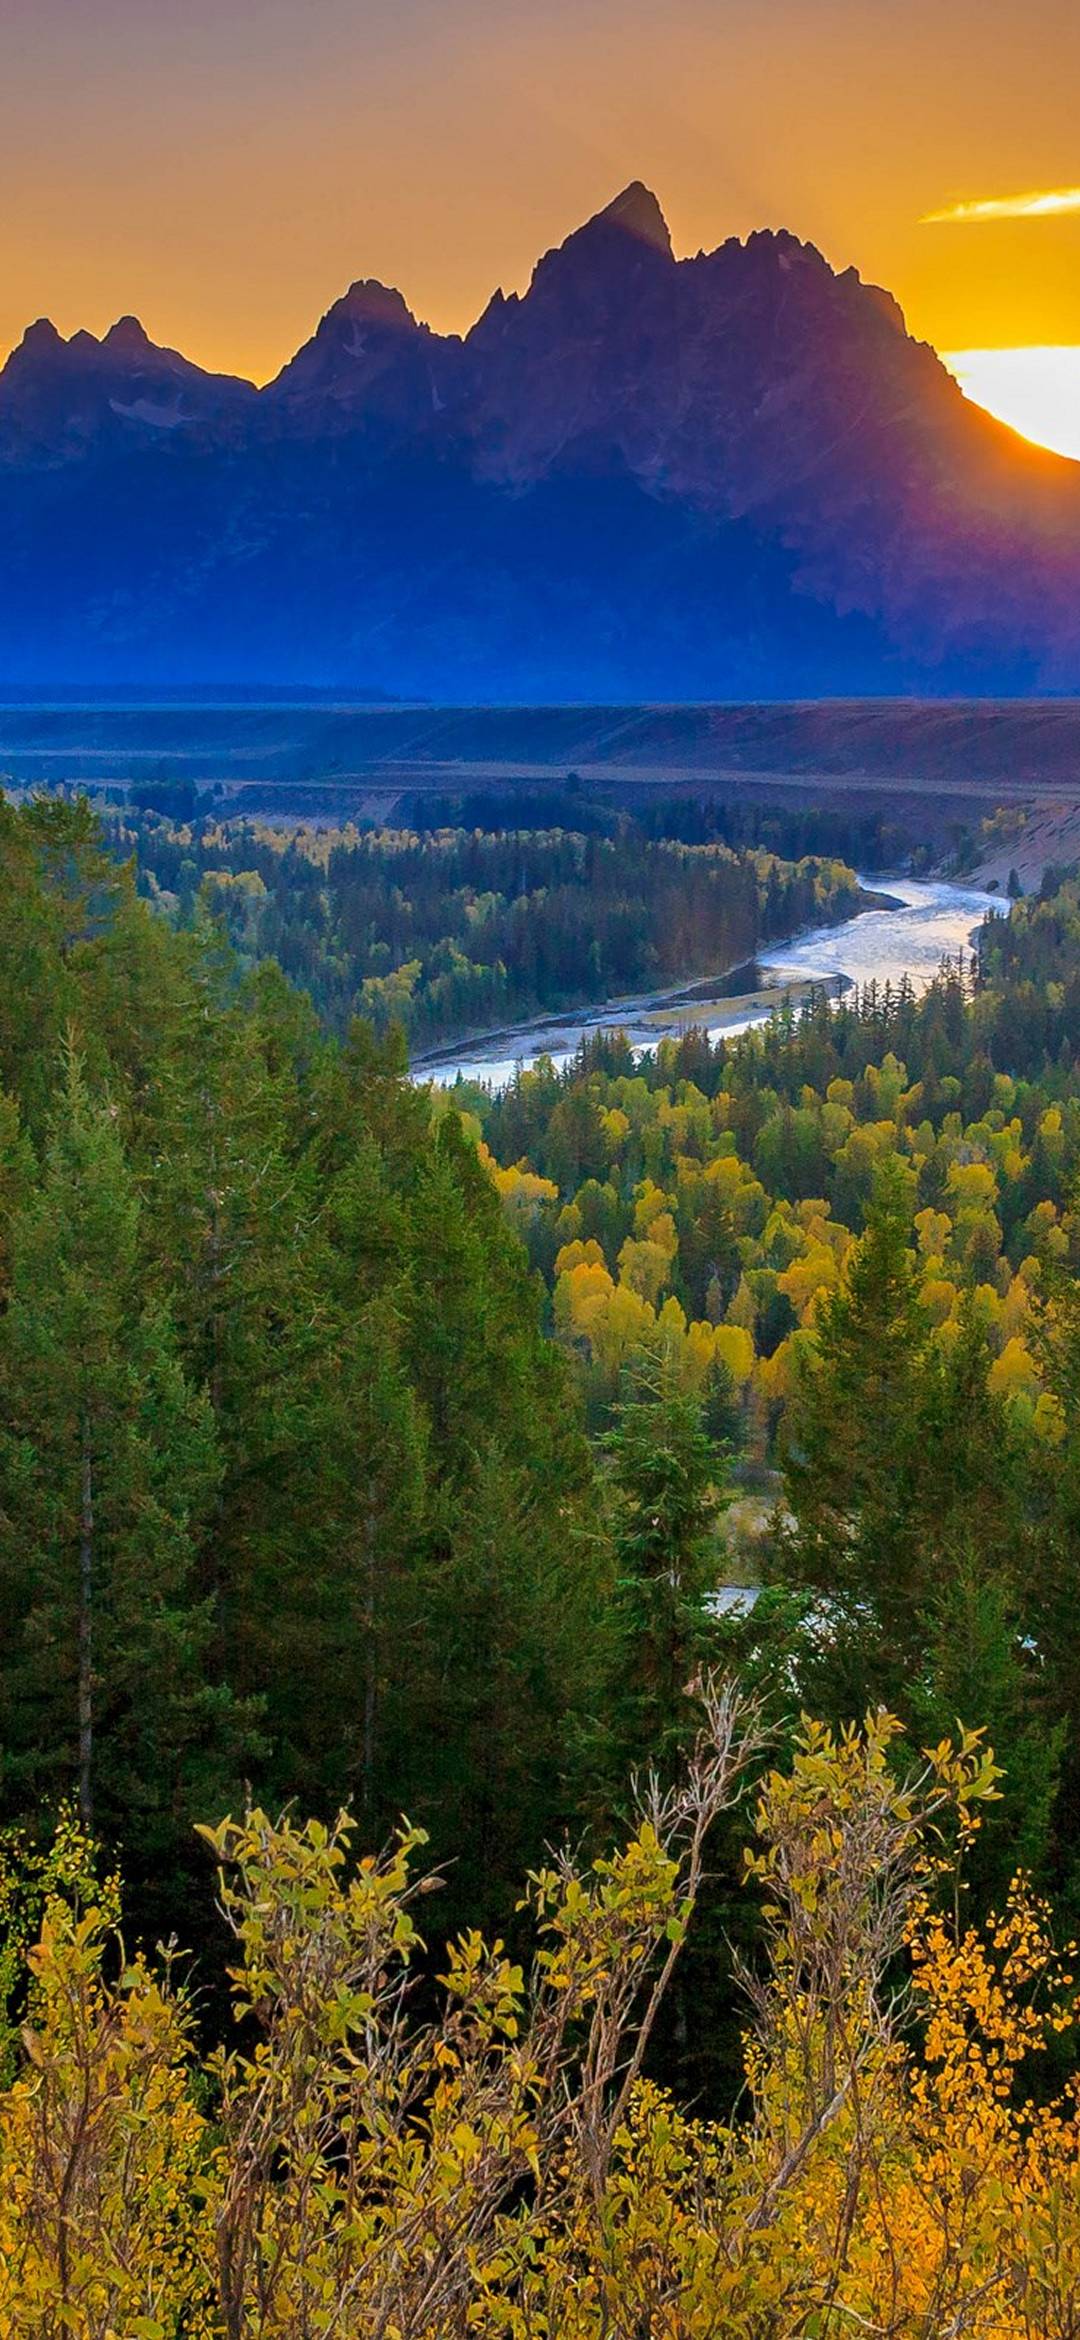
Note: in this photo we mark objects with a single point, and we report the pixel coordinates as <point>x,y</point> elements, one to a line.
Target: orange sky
<point>225,167</point>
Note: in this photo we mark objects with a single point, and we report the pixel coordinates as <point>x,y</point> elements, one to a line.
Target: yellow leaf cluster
<point>504,2168</point>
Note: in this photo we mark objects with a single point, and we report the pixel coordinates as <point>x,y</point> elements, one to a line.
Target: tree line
<point>456,931</point>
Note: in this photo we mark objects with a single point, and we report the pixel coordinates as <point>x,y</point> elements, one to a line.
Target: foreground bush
<point>352,2169</point>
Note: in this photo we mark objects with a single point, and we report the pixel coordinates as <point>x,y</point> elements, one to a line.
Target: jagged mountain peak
<point>62,401</point>
<point>129,338</point>
<point>627,242</point>
<point>368,302</point>
<point>637,212</point>
<point>126,348</point>
<point>41,339</point>
<point>126,343</point>
<point>369,324</point>
<point>369,363</point>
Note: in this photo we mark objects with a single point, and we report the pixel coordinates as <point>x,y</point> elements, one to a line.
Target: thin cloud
<point>1043,203</point>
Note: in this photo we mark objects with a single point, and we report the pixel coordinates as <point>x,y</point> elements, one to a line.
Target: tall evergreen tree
<point>850,1527</point>
<point>908,1484</point>
<point>107,1465</point>
<point>60,892</point>
<point>981,1663</point>
<point>500,1673</point>
<point>668,1483</point>
<point>1052,1554</point>
<point>668,1488</point>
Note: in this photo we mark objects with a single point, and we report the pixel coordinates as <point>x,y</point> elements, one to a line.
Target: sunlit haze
<point>1037,391</point>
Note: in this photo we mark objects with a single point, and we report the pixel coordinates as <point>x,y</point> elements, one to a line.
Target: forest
<point>711,1191</point>
<point>449,932</point>
<point>426,1908</point>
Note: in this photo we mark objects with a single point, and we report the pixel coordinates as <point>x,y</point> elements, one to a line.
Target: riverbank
<point>634,1004</point>
<point>739,983</point>
<point>906,930</point>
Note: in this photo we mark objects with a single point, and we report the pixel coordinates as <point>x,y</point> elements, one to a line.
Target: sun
<point>1035,390</point>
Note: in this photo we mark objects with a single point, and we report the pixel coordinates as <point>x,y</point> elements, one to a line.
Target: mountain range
<point>734,475</point>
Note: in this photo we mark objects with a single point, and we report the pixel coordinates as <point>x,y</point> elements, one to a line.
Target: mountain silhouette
<point>733,475</point>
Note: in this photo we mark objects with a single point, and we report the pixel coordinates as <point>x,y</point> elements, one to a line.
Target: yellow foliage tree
<point>1015,1373</point>
<point>645,1266</point>
<point>522,1191</point>
<point>359,2164</point>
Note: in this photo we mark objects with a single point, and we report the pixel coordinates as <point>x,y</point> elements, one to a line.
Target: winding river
<point>933,921</point>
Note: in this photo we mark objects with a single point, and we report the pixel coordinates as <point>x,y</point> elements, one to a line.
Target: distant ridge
<point>1004,750</point>
<point>731,476</point>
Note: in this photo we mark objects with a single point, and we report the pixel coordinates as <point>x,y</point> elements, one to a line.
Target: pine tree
<point>508,1585</point>
<point>486,1716</point>
<point>668,1489</point>
<point>107,1464</point>
<point>981,1663</point>
<point>59,894</point>
<point>1052,1553</point>
<point>975,1461</point>
<point>850,1526</point>
<point>909,1516</point>
<point>317,1570</point>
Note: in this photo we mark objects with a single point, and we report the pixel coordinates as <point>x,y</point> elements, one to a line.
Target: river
<point>933,921</point>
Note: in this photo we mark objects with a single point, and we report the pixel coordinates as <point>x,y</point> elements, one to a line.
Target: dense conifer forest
<point>448,932</point>
<point>367,1453</point>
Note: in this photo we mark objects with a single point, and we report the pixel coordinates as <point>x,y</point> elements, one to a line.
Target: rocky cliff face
<point>729,474</point>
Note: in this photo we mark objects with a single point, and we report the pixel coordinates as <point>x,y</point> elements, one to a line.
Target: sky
<point>224,168</point>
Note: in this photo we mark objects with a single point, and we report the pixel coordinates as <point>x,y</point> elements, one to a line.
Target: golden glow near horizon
<point>1034,387</point>
<point>1036,391</point>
